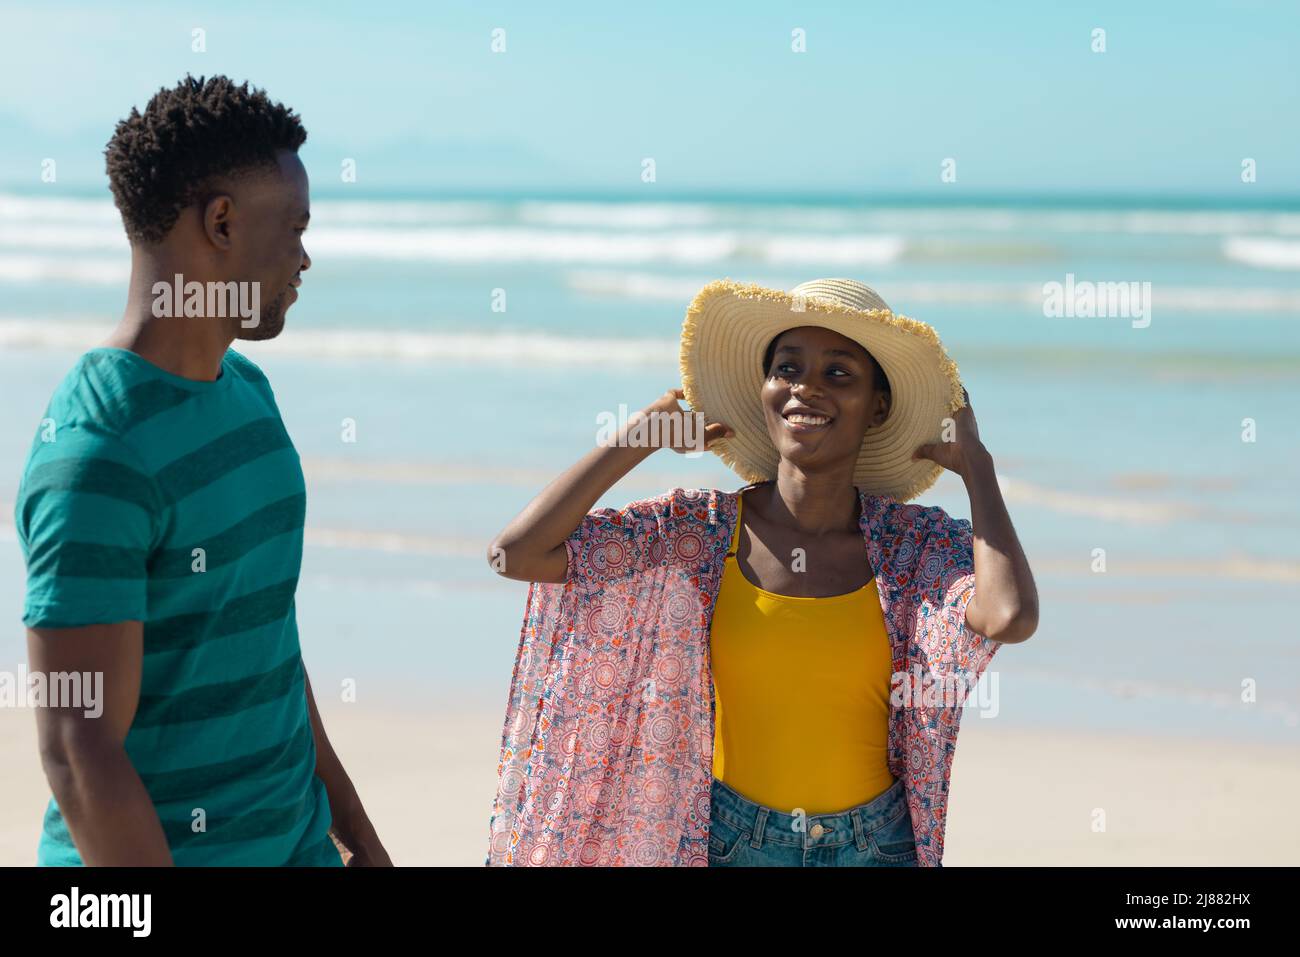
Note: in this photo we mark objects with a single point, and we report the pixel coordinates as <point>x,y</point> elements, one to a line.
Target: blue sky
<point>714,94</point>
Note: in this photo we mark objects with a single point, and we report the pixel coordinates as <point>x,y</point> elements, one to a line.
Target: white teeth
<point>807,419</point>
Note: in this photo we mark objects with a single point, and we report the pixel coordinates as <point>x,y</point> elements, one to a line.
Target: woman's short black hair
<point>160,160</point>
<point>881,380</point>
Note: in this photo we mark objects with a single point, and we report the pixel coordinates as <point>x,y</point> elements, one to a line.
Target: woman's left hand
<point>965,446</point>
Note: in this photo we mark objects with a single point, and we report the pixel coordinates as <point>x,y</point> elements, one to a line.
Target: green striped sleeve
<point>86,516</point>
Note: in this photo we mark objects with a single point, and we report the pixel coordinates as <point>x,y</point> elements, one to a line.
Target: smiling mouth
<point>806,421</point>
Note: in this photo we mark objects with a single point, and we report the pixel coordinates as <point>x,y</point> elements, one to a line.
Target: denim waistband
<point>811,830</point>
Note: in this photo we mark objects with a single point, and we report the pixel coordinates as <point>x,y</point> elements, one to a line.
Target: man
<point>161,517</point>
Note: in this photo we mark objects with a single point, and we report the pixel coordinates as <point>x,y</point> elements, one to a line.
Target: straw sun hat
<point>726,333</point>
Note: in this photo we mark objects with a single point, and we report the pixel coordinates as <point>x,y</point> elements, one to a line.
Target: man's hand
<point>351,829</point>
<point>367,853</point>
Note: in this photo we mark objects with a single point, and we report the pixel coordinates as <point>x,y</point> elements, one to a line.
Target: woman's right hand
<point>678,428</point>
<point>532,547</point>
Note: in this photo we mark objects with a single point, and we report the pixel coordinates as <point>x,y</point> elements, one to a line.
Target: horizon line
<point>1120,199</point>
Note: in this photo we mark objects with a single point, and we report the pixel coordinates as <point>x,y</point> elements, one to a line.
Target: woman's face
<point>820,397</point>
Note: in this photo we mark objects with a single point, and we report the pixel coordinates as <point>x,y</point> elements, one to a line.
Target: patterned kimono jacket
<point>607,752</point>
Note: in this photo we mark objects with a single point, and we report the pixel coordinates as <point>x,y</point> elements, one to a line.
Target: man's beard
<point>270,322</point>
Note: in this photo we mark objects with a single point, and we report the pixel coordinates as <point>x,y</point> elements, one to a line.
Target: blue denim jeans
<point>875,834</point>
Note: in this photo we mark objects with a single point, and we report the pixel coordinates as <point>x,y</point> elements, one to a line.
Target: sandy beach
<point>1018,798</point>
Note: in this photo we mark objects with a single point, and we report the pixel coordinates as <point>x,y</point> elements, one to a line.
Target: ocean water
<point>1110,433</point>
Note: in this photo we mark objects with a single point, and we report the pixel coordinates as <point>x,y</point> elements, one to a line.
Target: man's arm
<point>351,823</point>
<point>109,813</point>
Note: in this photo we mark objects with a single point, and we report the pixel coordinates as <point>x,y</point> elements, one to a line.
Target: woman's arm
<point>531,548</point>
<point>1005,604</point>
<point>1004,607</point>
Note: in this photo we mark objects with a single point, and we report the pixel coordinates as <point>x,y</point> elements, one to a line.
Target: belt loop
<point>760,823</point>
<point>859,833</point>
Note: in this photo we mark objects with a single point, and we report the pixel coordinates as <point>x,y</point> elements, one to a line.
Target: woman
<point>771,676</point>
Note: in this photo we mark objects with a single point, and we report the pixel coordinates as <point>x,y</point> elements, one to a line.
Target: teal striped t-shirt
<point>180,503</point>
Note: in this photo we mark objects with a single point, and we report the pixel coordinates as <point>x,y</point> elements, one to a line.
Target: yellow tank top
<point>801,687</point>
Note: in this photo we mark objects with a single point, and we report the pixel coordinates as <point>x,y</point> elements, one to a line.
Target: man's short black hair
<point>159,161</point>
<point>881,380</point>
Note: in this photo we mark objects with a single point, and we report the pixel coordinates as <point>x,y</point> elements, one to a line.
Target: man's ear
<point>217,215</point>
